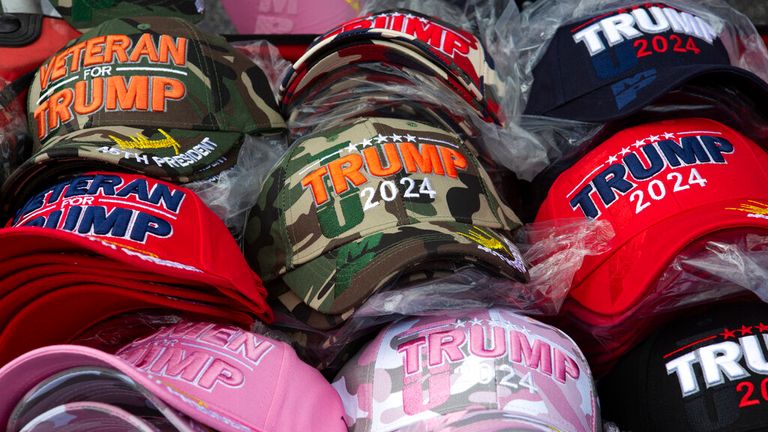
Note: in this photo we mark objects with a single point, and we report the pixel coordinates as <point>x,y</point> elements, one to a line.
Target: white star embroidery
<point>476,321</point>
<point>396,138</point>
<point>410,138</point>
<point>459,323</point>
<point>611,159</point>
<point>351,148</point>
<point>624,151</point>
<point>652,138</point>
<point>496,323</point>
<point>381,138</point>
<point>638,143</point>
<point>668,135</point>
<point>366,142</point>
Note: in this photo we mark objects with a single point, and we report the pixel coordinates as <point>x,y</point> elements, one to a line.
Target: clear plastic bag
<point>554,259</point>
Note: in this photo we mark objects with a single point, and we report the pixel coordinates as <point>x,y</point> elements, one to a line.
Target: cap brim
<point>22,374</point>
<point>87,417</point>
<point>337,282</point>
<point>190,155</point>
<point>483,421</point>
<point>63,314</point>
<point>620,281</point>
<point>24,241</point>
<point>600,105</point>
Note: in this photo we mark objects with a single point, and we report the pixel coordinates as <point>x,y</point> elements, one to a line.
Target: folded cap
<point>153,95</point>
<point>145,225</point>
<point>452,55</point>
<point>702,373</point>
<point>85,14</point>
<point>470,371</point>
<point>611,64</point>
<point>349,209</point>
<point>222,377</point>
<point>661,186</point>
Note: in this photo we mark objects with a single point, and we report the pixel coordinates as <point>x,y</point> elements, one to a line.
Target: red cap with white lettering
<point>221,377</point>
<point>661,186</point>
<point>705,373</point>
<point>474,371</point>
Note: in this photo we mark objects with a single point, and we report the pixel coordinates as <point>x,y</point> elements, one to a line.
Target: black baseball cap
<point>706,372</point>
<point>612,64</point>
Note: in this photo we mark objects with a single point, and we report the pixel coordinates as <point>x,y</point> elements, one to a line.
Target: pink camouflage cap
<point>477,371</point>
<point>195,375</point>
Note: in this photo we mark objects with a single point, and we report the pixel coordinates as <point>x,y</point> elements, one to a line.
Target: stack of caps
<point>86,14</point>
<point>229,380</point>
<point>101,244</point>
<point>150,95</point>
<point>661,185</point>
<point>351,209</point>
<point>394,47</point>
<point>477,371</point>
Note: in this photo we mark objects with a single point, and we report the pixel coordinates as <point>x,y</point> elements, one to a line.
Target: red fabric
<point>17,61</point>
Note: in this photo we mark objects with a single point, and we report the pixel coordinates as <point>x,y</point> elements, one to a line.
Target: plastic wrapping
<point>15,141</point>
<point>553,260</point>
<point>542,18</point>
<point>392,89</point>
<point>726,265</point>
<point>231,194</point>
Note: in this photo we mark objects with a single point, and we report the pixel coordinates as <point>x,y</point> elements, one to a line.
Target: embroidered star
<point>459,323</point>
<point>396,138</point>
<point>652,138</point>
<point>745,330</point>
<point>762,327</point>
<point>351,148</point>
<point>611,159</point>
<point>638,143</point>
<point>668,135</point>
<point>476,321</point>
<point>366,142</point>
<point>410,138</point>
<point>727,334</point>
<point>624,151</point>
<point>496,323</point>
<point>380,138</point>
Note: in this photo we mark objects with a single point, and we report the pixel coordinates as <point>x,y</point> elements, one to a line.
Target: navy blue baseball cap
<point>610,65</point>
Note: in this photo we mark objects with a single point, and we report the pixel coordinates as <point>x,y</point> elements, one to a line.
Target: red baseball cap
<point>661,186</point>
<point>101,244</point>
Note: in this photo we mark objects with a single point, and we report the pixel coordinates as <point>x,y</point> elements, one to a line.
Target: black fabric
<point>585,75</point>
<point>641,395</point>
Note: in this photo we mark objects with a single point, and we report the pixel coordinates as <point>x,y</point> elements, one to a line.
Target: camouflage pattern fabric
<point>349,209</point>
<point>86,14</point>
<point>88,417</point>
<point>153,95</point>
<point>474,371</point>
<point>445,51</point>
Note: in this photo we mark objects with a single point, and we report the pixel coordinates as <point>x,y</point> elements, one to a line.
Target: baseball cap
<point>703,372</point>
<point>218,376</point>
<point>476,370</point>
<point>86,14</point>
<point>662,186</point>
<point>611,64</point>
<point>151,95</point>
<point>87,417</point>
<point>101,244</point>
<point>349,209</point>
<point>453,56</point>
<point>302,17</point>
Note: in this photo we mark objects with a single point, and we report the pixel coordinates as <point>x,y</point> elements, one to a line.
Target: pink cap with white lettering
<point>223,377</point>
<point>482,370</point>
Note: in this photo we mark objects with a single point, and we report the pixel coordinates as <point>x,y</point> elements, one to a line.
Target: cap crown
<point>420,369</point>
<point>134,75</point>
<point>354,181</point>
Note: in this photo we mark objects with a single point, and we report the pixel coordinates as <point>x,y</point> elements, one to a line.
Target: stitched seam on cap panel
<point>212,76</point>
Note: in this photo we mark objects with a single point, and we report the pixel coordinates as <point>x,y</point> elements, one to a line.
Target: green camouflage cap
<point>350,209</point>
<point>86,14</point>
<point>153,95</point>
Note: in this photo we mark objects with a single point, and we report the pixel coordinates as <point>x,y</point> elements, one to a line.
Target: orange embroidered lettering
<point>117,45</point>
<point>452,160</point>
<point>346,168</point>
<point>315,182</point>
<point>145,47</point>
<point>94,51</point>
<point>373,160</point>
<point>82,107</point>
<point>166,88</point>
<point>425,162</point>
<point>133,96</point>
<point>177,51</point>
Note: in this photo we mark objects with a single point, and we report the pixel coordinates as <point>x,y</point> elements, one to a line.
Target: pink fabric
<point>220,376</point>
<point>289,16</point>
